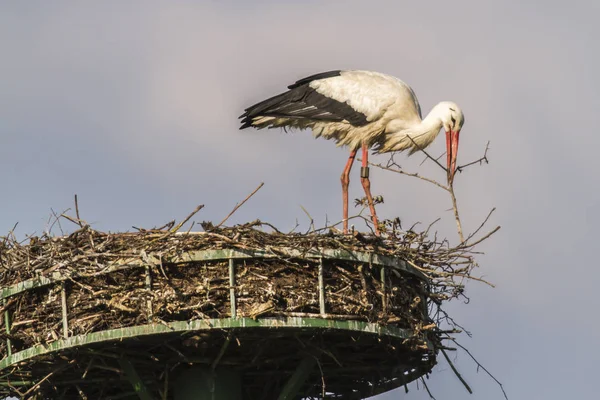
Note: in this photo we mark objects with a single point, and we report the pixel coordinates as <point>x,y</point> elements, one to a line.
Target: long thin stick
<point>496,229</point>
<point>427,154</point>
<point>200,207</point>
<point>77,212</point>
<point>241,204</point>
<point>460,168</point>
<point>415,175</point>
<point>456,217</point>
<point>427,388</point>
<point>480,366</point>
<point>312,221</point>
<point>458,375</point>
<point>471,235</point>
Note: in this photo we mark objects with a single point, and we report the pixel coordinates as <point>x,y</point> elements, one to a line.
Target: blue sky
<point>134,107</point>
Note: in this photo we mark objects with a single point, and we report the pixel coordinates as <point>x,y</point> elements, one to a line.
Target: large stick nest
<point>101,297</point>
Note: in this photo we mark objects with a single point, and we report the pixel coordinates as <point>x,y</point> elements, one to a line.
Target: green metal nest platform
<point>219,324</point>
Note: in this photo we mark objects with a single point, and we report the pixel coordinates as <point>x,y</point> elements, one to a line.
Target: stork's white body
<point>359,108</point>
<point>380,98</point>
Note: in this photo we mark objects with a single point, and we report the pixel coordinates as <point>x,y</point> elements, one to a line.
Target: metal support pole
<point>321,288</point>
<point>7,326</point>
<point>232,288</point>
<point>63,302</point>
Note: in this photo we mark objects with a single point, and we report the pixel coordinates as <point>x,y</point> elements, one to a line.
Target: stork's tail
<point>272,107</point>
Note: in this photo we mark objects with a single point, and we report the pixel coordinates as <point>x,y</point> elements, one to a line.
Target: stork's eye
<point>453,120</point>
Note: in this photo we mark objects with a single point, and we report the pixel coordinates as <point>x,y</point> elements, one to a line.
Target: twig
<point>56,221</point>
<point>427,388</point>
<point>334,225</point>
<point>415,175</point>
<point>77,212</point>
<point>168,225</point>
<point>458,375</point>
<point>450,321</point>
<point>481,366</point>
<point>426,153</point>
<point>73,220</point>
<point>456,216</point>
<point>258,222</point>
<point>437,159</point>
<point>478,161</point>
<point>312,221</point>
<point>179,225</point>
<point>239,205</point>
<point>496,229</point>
<point>482,224</point>
<point>270,226</point>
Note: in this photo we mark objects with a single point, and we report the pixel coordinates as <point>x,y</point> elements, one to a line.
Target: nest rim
<point>223,324</point>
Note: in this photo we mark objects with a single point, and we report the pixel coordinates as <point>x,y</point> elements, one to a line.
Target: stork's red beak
<point>452,151</point>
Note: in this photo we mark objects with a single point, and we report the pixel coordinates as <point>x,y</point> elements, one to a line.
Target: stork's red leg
<point>364,179</point>
<point>345,183</point>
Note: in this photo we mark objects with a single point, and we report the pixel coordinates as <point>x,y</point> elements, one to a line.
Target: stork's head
<point>452,120</point>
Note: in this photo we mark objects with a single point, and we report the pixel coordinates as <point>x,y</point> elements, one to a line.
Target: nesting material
<point>91,281</point>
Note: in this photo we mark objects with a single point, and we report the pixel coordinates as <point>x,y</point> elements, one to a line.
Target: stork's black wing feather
<point>309,79</point>
<point>304,102</point>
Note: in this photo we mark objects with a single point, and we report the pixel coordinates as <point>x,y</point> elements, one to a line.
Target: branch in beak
<point>448,153</point>
<point>452,148</point>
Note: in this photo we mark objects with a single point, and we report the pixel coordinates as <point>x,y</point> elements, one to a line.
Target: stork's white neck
<point>430,125</point>
<point>415,136</point>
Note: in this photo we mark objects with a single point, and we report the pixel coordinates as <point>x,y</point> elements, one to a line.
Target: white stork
<point>360,109</point>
